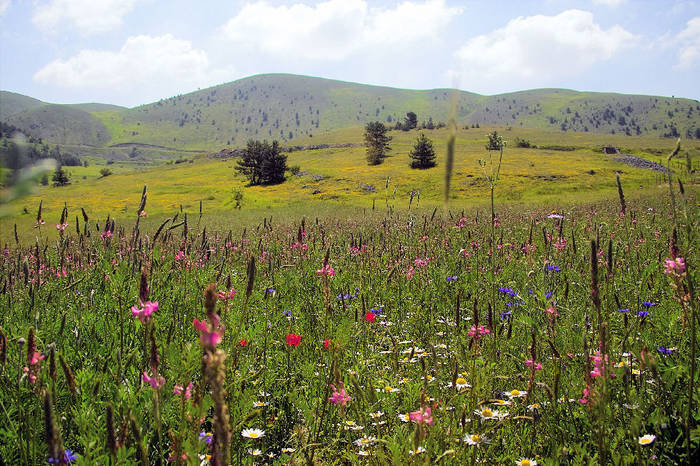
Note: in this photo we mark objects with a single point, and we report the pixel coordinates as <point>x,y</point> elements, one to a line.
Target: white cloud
<point>689,39</point>
<point>610,3</point>
<point>89,16</point>
<point>335,29</point>
<point>537,50</point>
<point>4,5</point>
<point>145,67</point>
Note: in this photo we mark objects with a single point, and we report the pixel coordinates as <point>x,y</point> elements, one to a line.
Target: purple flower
<point>625,311</point>
<point>269,290</point>
<point>643,313</point>
<point>648,303</point>
<point>68,457</point>
<point>452,278</point>
<point>664,350</point>
<point>206,437</point>
<point>553,267</point>
<point>376,311</point>
<point>548,295</point>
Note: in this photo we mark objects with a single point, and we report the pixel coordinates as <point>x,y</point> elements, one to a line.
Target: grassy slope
<point>291,108</point>
<point>62,124</point>
<point>528,176</point>
<point>12,103</point>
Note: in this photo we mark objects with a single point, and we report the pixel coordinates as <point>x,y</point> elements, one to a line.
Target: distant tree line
<point>14,156</point>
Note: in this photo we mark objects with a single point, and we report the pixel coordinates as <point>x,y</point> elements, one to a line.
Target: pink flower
<point>144,315</point>
<point>177,390</point>
<point>34,363</point>
<point>530,362</point>
<point>420,416</point>
<point>180,255</point>
<point>410,272</point>
<point>676,266</point>
<point>156,381</point>
<point>478,332</point>
<point>560,244</point>
<point>326,270</point>
<point>552,310</point>
<point>210,333</point>
<point>143,213</point>
<point>339,396</point>
<point>226,295</point>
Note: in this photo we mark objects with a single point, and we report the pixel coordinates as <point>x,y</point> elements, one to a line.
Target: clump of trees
<point>423,153</point>
<point>377,142</point>
<point>263,163</point>
<point>409,123</point>
<point>60,177</point>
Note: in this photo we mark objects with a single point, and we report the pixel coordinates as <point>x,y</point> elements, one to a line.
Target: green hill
<point>12,103</point>
<point>293,108</point>
<point>62,124</point>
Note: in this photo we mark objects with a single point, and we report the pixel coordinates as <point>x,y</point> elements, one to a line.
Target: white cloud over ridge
<point>335,29</point>
<point>537,51</point>
<point>610,3</point>
<point>88,16</point>
<point>148,66</point>
<point>689,39</point>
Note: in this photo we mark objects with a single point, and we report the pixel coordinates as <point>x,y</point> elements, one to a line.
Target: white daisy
<point>253,433</point>
<point>647,439</point>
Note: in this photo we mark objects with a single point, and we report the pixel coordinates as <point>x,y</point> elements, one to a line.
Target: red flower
<point>370,317</point>
<point>327,342</point>
<point>293,339</point>
<point>243,343</point>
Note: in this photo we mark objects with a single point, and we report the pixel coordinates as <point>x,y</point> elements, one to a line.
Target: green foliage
<point>60,177</point>
<point>495,141</point>
<point>262,163</point>
<point>422,155</point>
<point>377,142</point>
<point>523,143</point>
<point>105,172</point>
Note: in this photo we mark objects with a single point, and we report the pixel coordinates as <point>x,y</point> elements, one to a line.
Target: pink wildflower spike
<point>326,270</point>
<point>478,332</point>
<point>674,266</point>
<point>145,314</point>
<point>422,417</point>
<point>210,333</point>
<point>156,381</point>
<point>530,362</point>
<point>339,397</point>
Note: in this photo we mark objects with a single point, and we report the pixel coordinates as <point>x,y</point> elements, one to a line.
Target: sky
<point>132,52</point>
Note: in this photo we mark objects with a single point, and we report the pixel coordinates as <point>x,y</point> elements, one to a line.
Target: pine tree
<point>60,177</point>
<point>262,163</point>
<point>377,142</point>
<point>423,154</point>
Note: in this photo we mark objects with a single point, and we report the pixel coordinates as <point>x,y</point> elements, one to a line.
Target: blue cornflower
<point>68,457</point>
<point>505,290</point>
<point>664,350</point>
<point>376,311</point>
<point>206,437</point>
<point>347,297</point>
<point>452,278</point>
<point>287,314</point>
<point>505,315</point>
<point>643,313</point>
<point>269,290</point>
<point>530,292</point>
<point>625,311</point>
<point>553,267</point>
<point>648,303</point>
<point>548,295</point>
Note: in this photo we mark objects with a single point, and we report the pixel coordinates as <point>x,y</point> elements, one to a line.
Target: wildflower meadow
<point>513,336</point>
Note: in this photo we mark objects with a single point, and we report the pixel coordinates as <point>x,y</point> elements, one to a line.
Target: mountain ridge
<point>288,107</point>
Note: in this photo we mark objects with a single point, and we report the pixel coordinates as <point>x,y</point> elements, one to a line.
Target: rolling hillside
<point>292,108</point>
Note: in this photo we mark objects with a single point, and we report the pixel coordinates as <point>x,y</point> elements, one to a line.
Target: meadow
<point>354,335</point>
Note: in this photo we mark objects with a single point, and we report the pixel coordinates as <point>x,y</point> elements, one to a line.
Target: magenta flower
<point>177,390</point>
<point>339,396</point>
<point>34,366</point>
<point>156,381</point>
<point>478,332</point>
<point>674,266</point>
<point>530,362</point>
<point>210,333</point>
<point>326,270</point>
<point>144,314</point>
<point>422,416</point>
